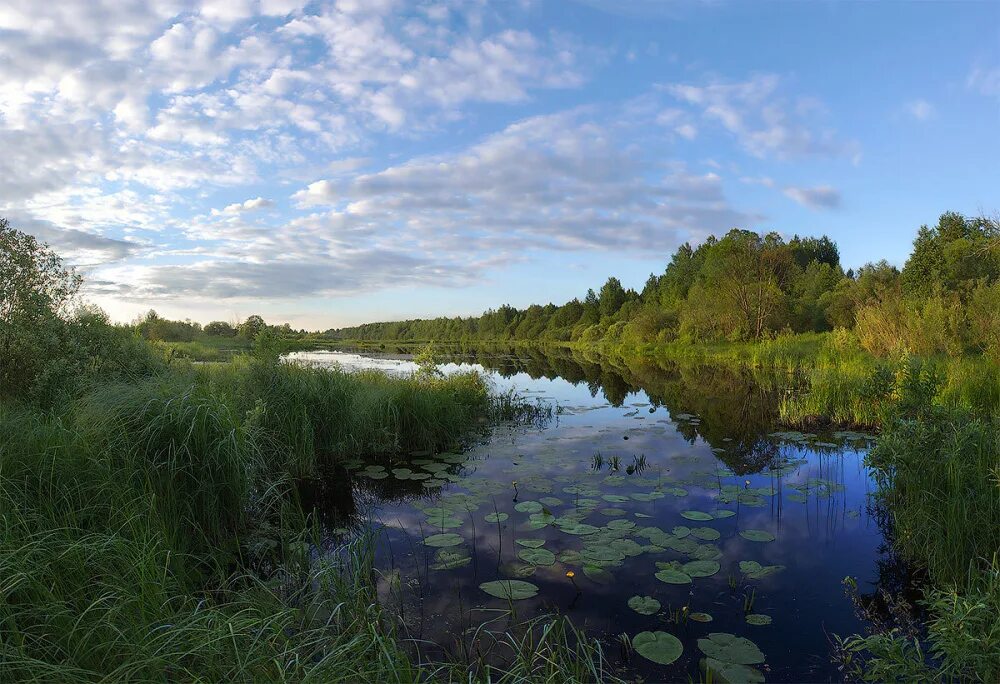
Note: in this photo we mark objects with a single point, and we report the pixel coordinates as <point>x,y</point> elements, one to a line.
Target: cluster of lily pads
<point>599,531</point>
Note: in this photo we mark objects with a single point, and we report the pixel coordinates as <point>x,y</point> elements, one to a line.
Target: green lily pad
<point>620,525</point>
<point>700,617</point>
<point>579,529</point>
<point>496,517</point>
<point>597,573</point>
<point>521,570</point>
<point>680,531</point>
<point>531,543</point>
<point>705,533</point>
<point>445,539</point>
<point>720,513</point>
<point>449,559</point>
<point>702,568</point>
<point>644,605</point>
<point>537,556</point>
<point>757,535</point>
<point>570,557</point>
<point>615,498</point>
<point>731,673</point>
<point>550,501</point>
<point>612,512</point>
<point>755,570</point>
<point>660,647</point>
<point>443,521</point>
<point>758,619</point>
<point>528,507</point>
<point>730,648</point>
<point>672,576</point>
<point>602,554</point>
<point>513,590</point>
<point>696,515</point>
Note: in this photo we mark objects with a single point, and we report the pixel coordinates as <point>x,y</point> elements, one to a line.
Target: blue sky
<point>328,163</point>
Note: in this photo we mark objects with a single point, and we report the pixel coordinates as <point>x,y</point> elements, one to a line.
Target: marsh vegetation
<point>666,508</point>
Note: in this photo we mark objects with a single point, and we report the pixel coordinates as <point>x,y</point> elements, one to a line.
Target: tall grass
<point>127,517</point>
<point>311,415</point>
<point>938,473</point>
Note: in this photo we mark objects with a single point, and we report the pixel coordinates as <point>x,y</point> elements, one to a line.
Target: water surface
<point>644,468</point>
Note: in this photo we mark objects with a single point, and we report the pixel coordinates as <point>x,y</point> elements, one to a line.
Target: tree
<point>34,282</point>
<point>612,297</point>
<point>220,329</point>
<point>37,291</point>
<point>252,326</point>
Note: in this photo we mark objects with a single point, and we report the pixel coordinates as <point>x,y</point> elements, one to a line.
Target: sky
<point>332,162</point>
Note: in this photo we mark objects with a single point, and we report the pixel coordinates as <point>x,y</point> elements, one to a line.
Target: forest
<point>751,287</point>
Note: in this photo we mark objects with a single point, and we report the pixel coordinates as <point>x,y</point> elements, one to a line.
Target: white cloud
<point>921,110</point>
<point>164,101</point>
<point>254,204</point>
<point>763,121</point>
<point>555,182</point>
<point>819,197</point>
<point>985,81</point>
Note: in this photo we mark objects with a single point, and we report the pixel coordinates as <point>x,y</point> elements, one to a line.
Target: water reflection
<point>648,467</point>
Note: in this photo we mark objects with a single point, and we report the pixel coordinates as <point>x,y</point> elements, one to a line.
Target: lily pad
<point>531,543</point>
<point>644,605</point>
<point>620,525</point>
<point>598,574</point>
<point>513,590</point>
<point>537,556</point>
<point>579,529</point>
<point>443,521</point>
<point>731,673</point>
<point>730,648</point>
<point>757,535</point>
<point>660,647</point>
<point>758,619</point>
<point>705,533</point>
<point>449,559</point>
<point>702,568</point>
<point>696,515</point>
<point>445,539</point>
<point>672,576</point>
<point>528,507</point>
<point>755,570</point>
<point>570,557</point>
<point>721,513</point>
<point>496,517</point>
<point>680,531</point>
<point>700,617</point>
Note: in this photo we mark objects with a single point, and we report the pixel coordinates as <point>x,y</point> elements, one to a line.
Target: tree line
<point>747,286</point>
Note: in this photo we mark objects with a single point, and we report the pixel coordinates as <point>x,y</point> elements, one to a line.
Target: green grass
<point>937,467</point>
<point>130,515</point>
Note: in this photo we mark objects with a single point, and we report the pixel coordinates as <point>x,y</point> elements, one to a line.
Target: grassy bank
<point>831,380</point>
<point>149,530</point>
<point>937,467</point>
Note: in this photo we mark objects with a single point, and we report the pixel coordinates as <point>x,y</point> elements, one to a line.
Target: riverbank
<point>151,528</point>
<point>832,381</point>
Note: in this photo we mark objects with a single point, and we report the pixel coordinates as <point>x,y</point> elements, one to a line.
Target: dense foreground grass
<point>132,520</point>
<point>938,473</point>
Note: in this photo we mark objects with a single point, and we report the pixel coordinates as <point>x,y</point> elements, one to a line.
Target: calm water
<point>643,468</point>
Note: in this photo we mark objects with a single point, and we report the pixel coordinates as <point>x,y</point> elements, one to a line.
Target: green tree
<point>252,326</point>
<point>220,329</point>
<point>612,297</point>
<point>37,292</point>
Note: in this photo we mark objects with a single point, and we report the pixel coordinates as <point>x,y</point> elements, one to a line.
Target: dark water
<point>645,466</point>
